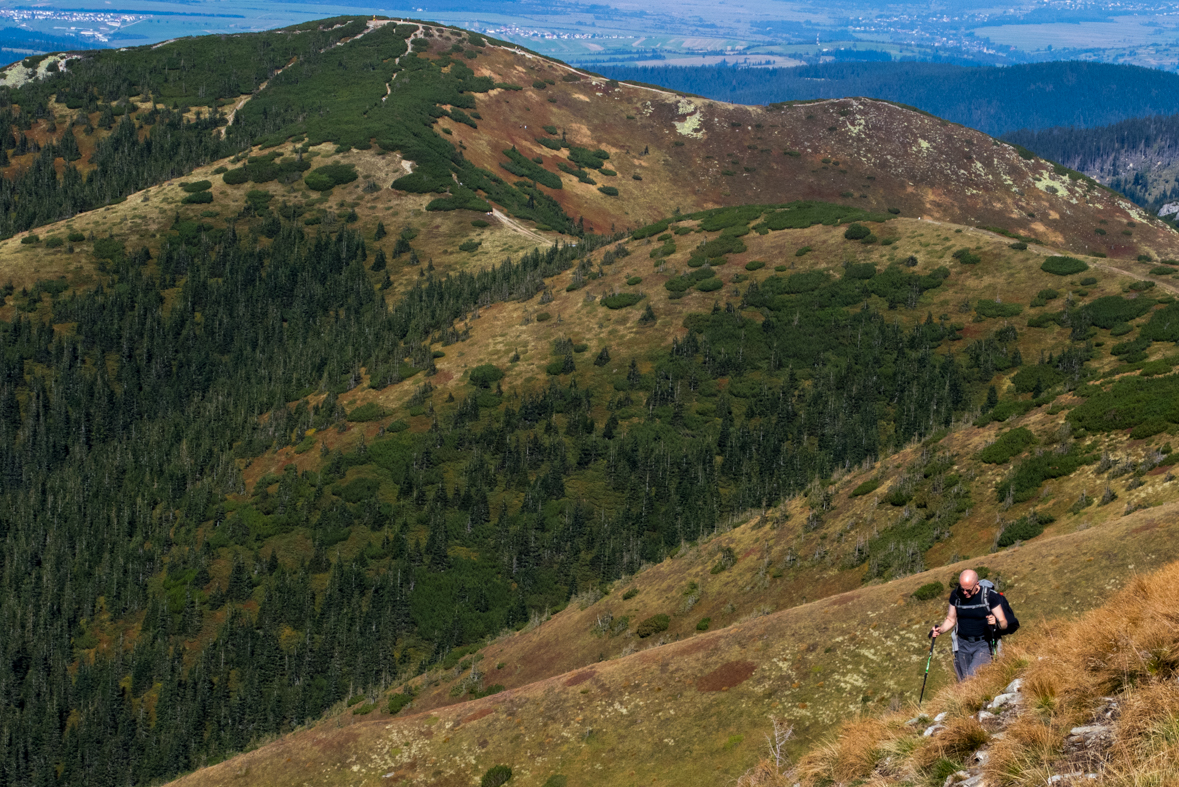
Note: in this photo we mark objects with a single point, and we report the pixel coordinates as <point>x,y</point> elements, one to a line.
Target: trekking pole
<point>992,640</point>
<point>932,642</point>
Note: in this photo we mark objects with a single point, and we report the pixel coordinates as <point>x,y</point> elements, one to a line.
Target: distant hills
<point>16,43</point>
<point>994,100</point>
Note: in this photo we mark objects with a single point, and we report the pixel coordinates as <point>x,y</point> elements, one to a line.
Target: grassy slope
<point>499,331</point>
<point>1099,540</point>
<point>878,154</point>
<point>693,711</point>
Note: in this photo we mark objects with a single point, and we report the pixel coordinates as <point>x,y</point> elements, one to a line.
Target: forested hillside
<point>301,396</point>
<point>1138,157</point>
<point>994,100</point>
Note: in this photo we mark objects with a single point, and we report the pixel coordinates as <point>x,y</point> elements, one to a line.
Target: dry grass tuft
<point>1146,750</point>
<point>1025,754</point>
<point>858,751</point>
<point>960,738</point>
<point>964,699</point>
<point>764,774</point>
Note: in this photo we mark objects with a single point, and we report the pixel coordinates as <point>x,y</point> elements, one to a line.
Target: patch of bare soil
<point>726,676</point>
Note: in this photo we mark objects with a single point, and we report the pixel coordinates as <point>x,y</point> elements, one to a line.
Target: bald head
<point>968,579</point>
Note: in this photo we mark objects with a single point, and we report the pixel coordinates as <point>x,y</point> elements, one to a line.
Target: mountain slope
<point>1138,158</point>
<point>277,438</point>
<point>699,154</point>
<point>695,711</point>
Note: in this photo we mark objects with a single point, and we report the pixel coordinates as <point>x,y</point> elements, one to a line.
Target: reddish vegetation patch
<point>726,676</point>
<point>579,678</point>
<point>748,552</point>
<point>1152,525</point>
<point>479,714</point>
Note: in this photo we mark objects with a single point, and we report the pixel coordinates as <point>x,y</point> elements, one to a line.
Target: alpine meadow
<point>385,403</point>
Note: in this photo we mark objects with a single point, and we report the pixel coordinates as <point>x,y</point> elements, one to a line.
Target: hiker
<point>976,612</point>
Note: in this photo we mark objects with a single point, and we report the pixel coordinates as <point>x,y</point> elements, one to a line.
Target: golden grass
<point>1126,652</point>
<point>961,737</point>
<point>852,755</point>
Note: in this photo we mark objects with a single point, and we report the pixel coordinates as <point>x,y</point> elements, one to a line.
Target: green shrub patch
<point>1040,375</point>
<point>1007,446</point>
<point>484,375</point>
<point>653,625</point>
<point>1129,402</point>
<point>329,176</point>
<point>1024,528</point>
<point>684,283</point>
<point>1131,347</point>
<point>1045,295</point>
<point>994,309</point>
<point>1148,429</point>
<point>967,257</point>
<point>497,775</point>
<point>587,159</point>
<point>856,231</point>
<point>1063,266</point>
<point>866,488</point>
<point>1027,477</point>
<point>370,411</point>
<point>1163,325</point>
<point>929,591</point>
<point>621,300</point>
<point>524,167</point>
<point>860,270</point>
<point>397,701</point>
<point>1109,310</point>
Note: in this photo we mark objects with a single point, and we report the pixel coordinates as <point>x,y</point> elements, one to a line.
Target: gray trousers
<point>970,656</point>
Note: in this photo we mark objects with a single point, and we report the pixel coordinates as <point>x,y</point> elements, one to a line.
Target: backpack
<point>1008,612</point>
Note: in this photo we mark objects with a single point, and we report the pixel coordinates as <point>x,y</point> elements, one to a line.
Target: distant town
<point>94,26</point>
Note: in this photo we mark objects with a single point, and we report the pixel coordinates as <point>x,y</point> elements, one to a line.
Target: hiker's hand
<point>990,620</point>
<point>936,630</point>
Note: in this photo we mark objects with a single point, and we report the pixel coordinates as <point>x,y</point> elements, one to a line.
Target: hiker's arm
<point>949,623</point>
<point>997,614</point>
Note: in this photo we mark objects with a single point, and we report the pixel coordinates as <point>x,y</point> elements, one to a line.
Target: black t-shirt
<point>973,611</point>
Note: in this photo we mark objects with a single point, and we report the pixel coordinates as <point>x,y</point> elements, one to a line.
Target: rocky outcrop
<point>1085,749</point>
